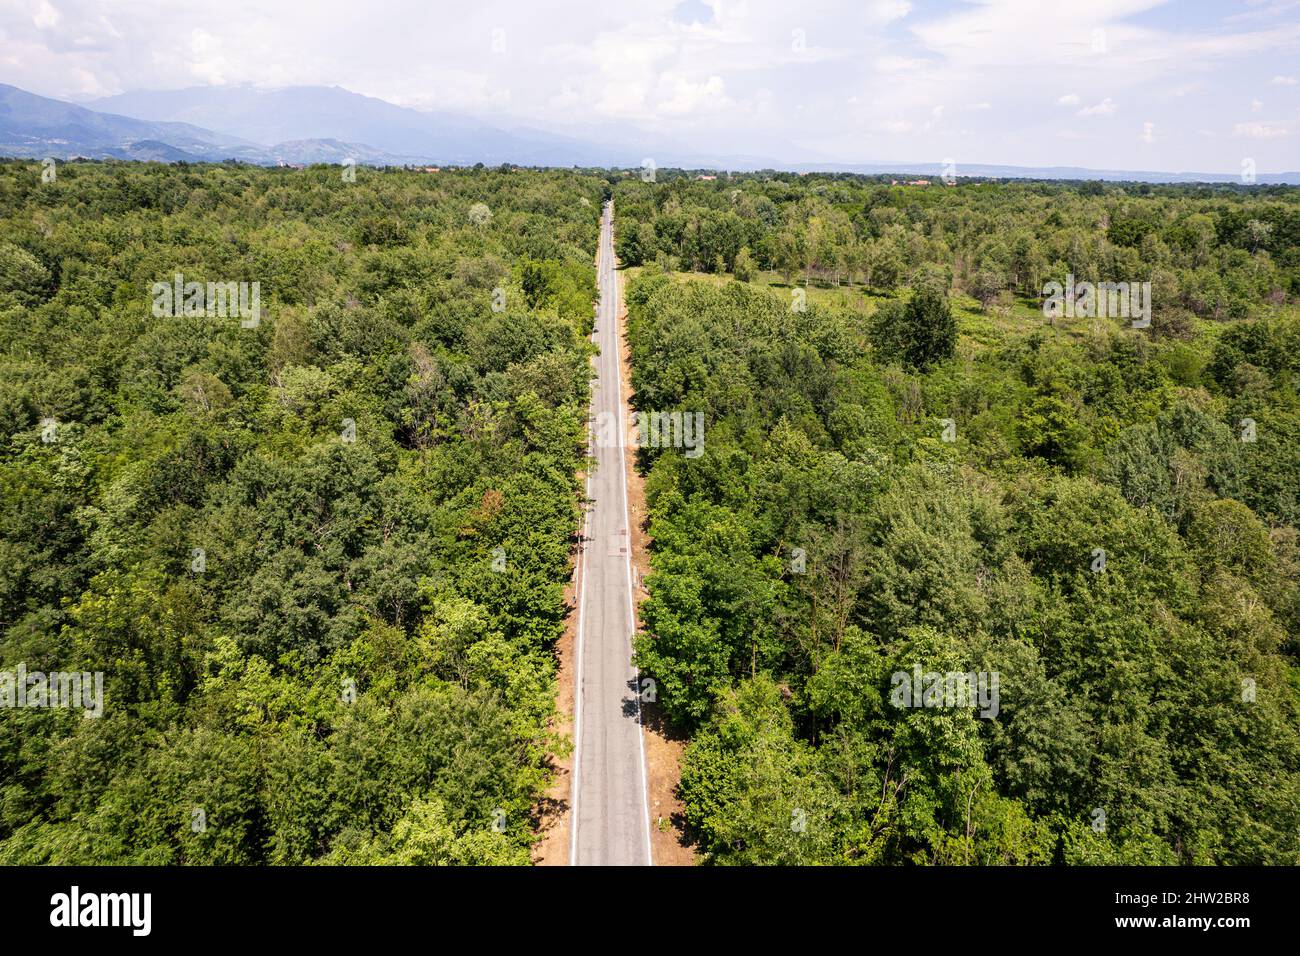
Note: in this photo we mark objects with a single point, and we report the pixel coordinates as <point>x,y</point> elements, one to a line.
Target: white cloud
<point>680,95</point>
<point>895,126</point>
<point>1259,130</point>
<point>902,64</point>
<point>936,115</point>
<point>46,16</point>
<point>886,11</point>
<point>723,75</point>
<point>1148,132</point>
<point>207,61</point>
<point>88,84</point>
<point>1105,108</point>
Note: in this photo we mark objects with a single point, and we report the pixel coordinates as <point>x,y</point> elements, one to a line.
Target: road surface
<point>611,818</point>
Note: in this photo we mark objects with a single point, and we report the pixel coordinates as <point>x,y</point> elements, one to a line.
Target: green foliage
<point>918,483</point>
<point>920,333</point>
<point>343,677</point>
<point>1219,253</point>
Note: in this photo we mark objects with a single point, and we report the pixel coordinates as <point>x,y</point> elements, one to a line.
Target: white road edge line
<point>582,604</point>
<point>577,677</point>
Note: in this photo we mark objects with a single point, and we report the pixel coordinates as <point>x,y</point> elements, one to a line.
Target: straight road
<point>611,817</point>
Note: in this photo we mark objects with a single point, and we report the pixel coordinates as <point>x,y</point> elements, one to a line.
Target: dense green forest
<point>909,465</point>
<point>319,556</point>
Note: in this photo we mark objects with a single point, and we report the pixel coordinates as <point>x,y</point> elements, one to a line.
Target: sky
<point>1169,85</point>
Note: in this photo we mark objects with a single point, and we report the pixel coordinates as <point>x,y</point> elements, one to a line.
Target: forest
<point>911,466</point>
<point>318,555</point>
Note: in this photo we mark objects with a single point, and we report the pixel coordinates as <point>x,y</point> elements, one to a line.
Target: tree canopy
<point>902,477</point>
<point>319,559</point>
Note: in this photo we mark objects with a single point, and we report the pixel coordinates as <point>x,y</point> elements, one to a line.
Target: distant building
<point>702,176</point>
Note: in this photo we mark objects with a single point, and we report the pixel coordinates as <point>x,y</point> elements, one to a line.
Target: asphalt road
<point>611,818</point>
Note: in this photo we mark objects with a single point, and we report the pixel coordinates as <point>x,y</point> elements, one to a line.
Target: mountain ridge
<point>314,124</point>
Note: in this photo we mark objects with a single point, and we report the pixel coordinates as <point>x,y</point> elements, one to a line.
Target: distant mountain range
<point>986,171</point>
<point>316,124</point>
<point>37,126</point>
<point>999,172</point>
<point>302,119</point>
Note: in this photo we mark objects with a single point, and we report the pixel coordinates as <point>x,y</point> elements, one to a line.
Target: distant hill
<point>318,124</point>
<point>985,171</point>
<point>304,114</point>
<point>37,126</point>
